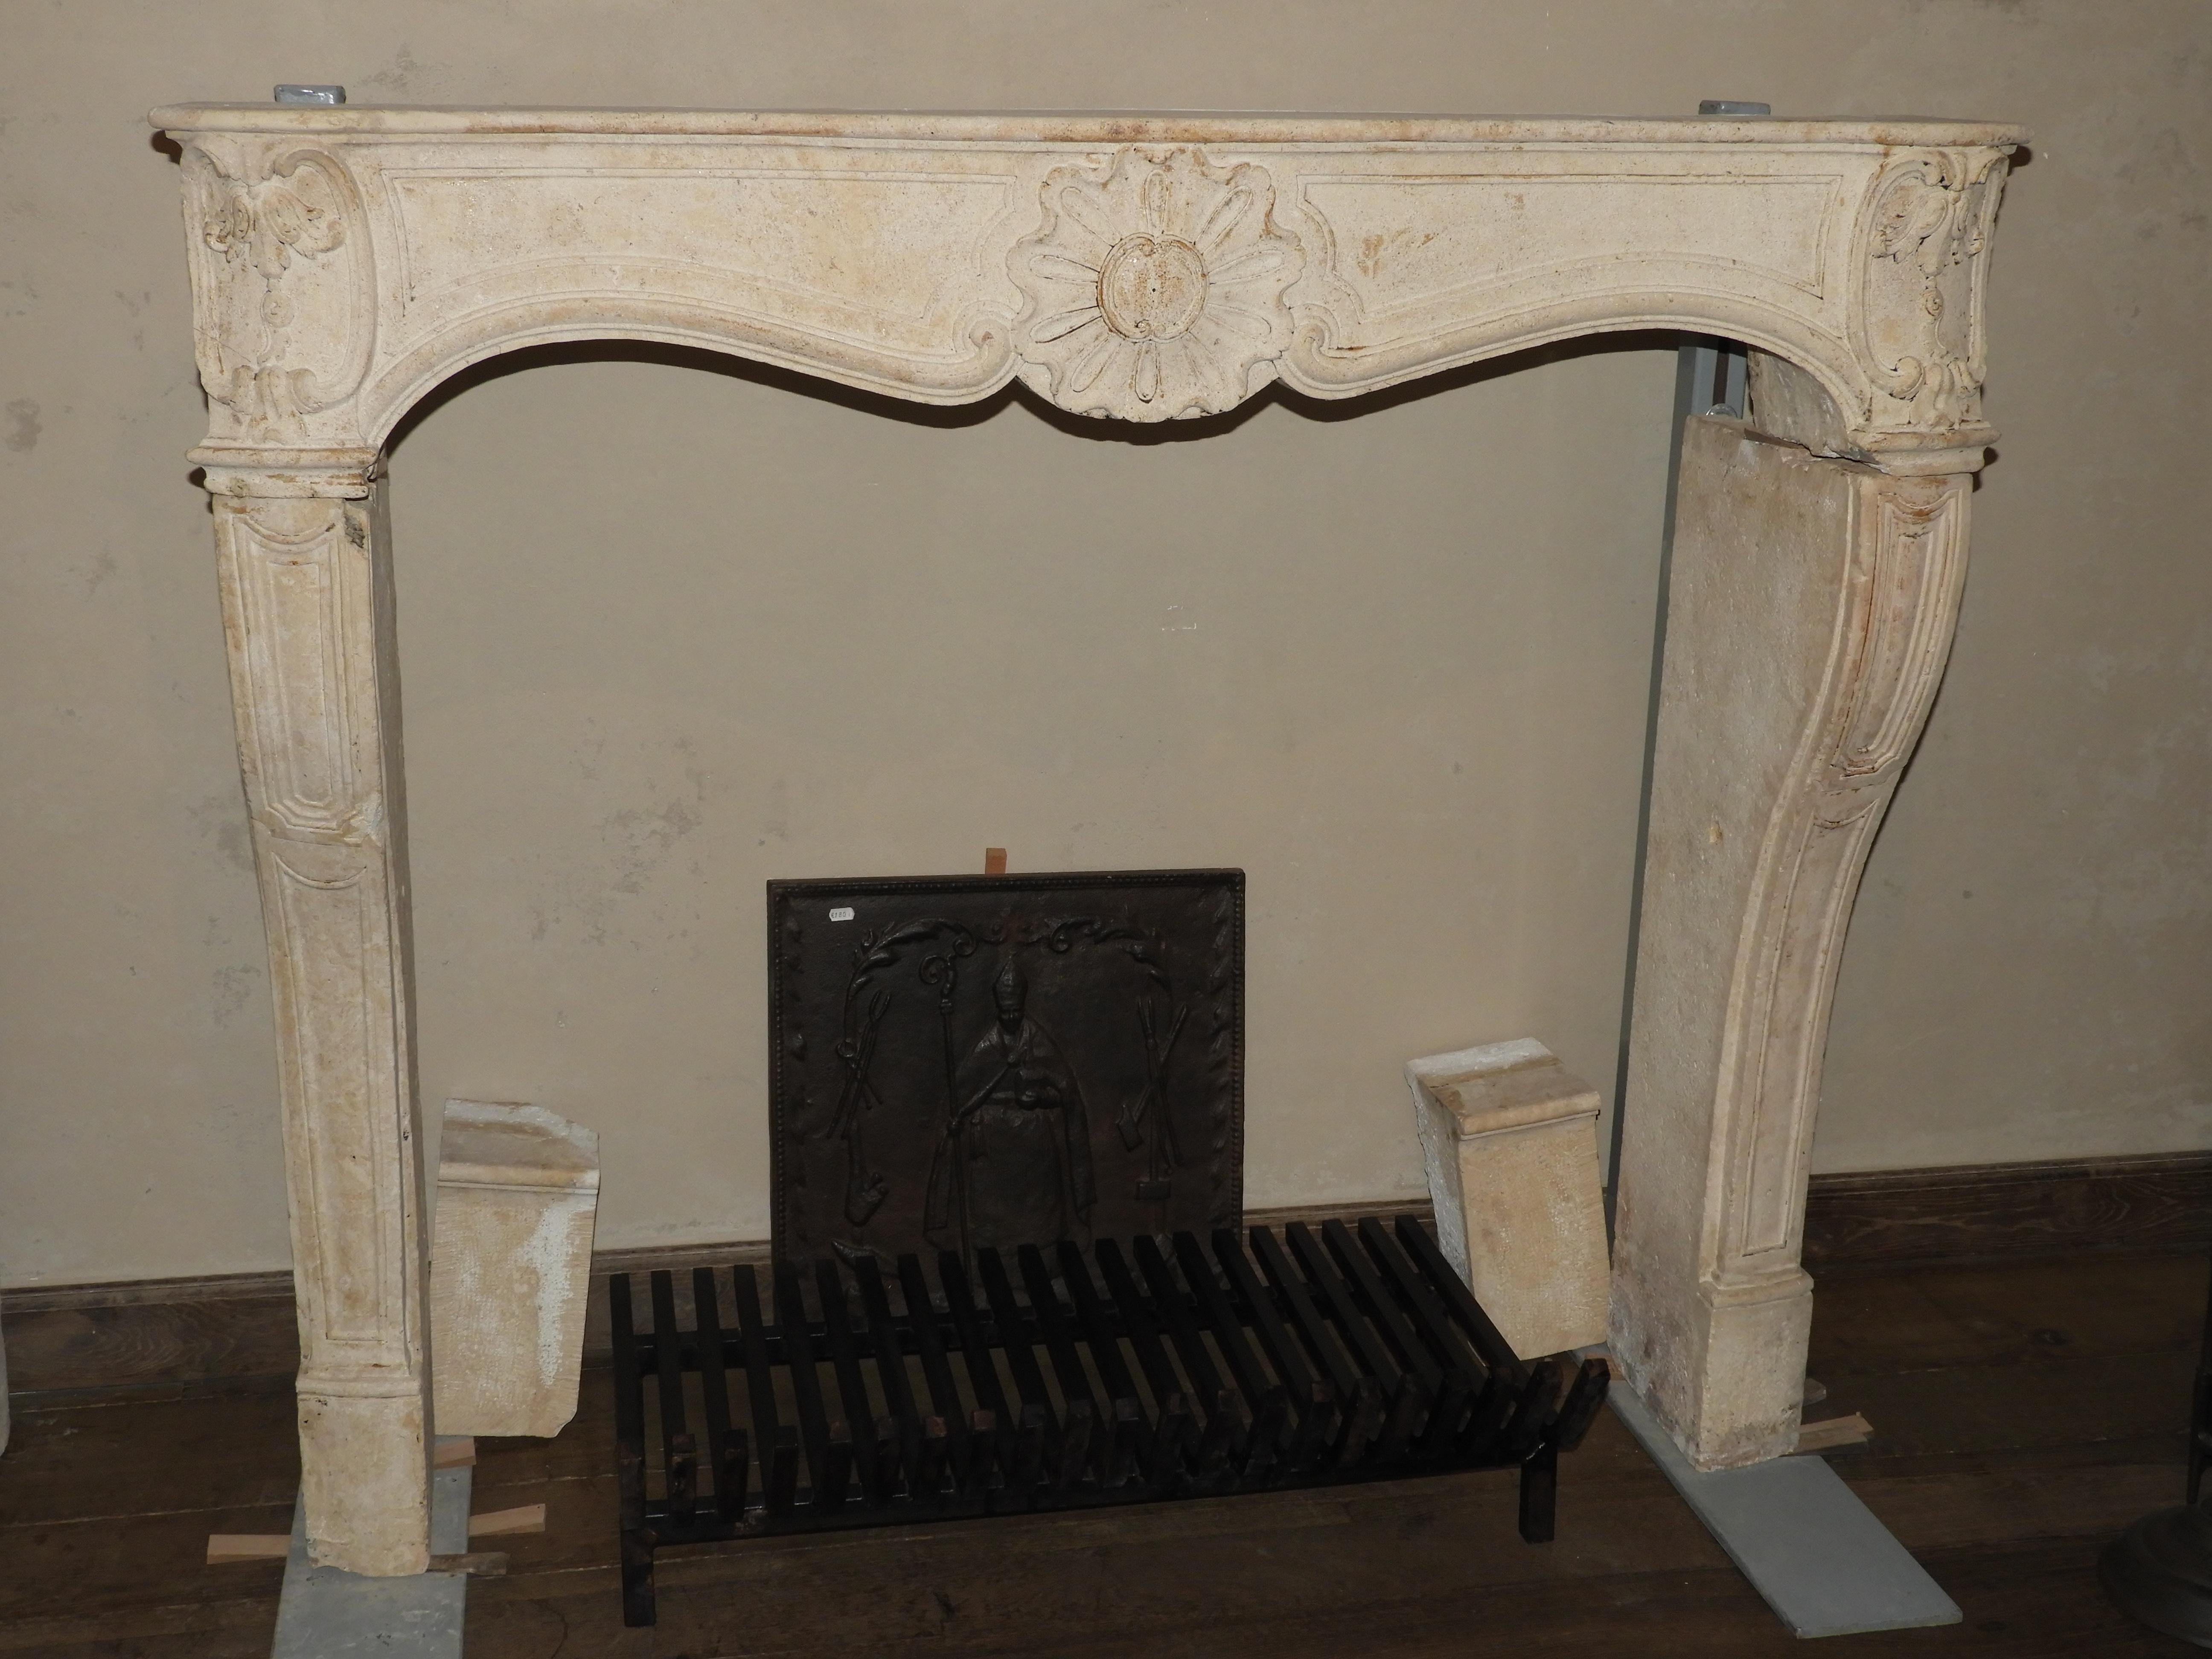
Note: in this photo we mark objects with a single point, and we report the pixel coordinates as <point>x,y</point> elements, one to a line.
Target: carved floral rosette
<point>1153,290</point>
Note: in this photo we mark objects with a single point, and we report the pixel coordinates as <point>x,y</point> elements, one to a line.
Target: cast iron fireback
<point>963,1061</point>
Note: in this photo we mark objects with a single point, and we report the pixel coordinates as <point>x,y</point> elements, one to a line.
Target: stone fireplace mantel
<point>345,261</point>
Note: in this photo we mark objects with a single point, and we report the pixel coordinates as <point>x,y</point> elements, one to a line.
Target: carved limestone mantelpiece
<point>346,260</point>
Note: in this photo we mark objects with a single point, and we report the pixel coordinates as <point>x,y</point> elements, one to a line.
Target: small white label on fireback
<point>842,913</point>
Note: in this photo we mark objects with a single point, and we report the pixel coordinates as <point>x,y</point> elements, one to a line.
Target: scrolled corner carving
<point>1920,301</point>
<point>1153,287</point>
<point>1919,550</point>
<point>283,254</point>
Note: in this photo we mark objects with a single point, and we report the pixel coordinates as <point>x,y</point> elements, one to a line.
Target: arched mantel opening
<point>346,261</point>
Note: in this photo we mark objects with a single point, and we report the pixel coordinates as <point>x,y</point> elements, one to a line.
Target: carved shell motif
<point>1921,301</point>
<point>285,284</point>
<point>1154,288</point>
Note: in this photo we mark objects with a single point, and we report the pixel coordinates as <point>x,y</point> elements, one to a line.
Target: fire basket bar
<point>1351,1354</point>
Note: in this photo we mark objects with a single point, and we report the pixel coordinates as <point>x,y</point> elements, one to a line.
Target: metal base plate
<point>1802,1537</point>
<point>327,1612</point>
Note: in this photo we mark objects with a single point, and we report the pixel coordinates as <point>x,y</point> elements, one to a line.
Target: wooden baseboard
<point>220,1333</point>
<point>2008,1212</point>
<point>239,1327</point>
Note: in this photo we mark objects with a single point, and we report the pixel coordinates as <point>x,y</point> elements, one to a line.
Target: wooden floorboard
<point>67,1462</point>
<point>106,1506</point>
<point>2023,1413</point>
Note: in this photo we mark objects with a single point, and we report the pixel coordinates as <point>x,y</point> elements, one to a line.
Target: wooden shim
<point>1835,1434</point>
<point>455,1451</point>
<point>527,1517</point>
<point>225,1548</point>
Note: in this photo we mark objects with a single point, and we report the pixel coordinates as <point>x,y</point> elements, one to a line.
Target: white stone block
<point>1509,1138</point>
<point>510,1266</point>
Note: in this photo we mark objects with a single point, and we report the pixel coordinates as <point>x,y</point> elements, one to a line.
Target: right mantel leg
<point>1810,613</point>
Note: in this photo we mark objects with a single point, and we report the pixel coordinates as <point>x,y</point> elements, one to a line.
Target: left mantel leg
<point>306,605</point>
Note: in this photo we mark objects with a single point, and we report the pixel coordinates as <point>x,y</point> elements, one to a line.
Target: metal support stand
<point>2159,1570</point>
<point>1710,374</point>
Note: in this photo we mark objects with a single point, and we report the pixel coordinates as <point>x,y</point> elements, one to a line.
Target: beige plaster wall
<point>674,630</point>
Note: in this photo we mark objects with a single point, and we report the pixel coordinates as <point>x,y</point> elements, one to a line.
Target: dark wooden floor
<point>2023,1413</point>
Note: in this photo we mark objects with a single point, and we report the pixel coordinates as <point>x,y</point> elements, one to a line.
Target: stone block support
<point>306,602</point>
<point>1810,615</point>
<point>518,1196</point>
<point>1510,1140</point>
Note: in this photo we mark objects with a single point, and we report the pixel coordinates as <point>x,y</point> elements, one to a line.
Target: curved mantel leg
<point>1811,612</point>
<point>307,607</point>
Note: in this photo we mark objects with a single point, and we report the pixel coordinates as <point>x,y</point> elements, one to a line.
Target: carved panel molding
<point>1904,551</point>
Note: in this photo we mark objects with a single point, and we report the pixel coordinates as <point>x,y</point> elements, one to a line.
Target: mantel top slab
<point>1162,127</point>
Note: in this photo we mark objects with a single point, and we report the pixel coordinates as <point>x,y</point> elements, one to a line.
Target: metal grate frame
<point>1146,1373</point>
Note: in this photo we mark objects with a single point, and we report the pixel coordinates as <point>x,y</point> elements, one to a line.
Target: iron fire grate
<point>1354,1354</point>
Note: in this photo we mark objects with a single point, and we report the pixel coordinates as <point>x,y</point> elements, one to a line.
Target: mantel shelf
<point>1093,126</point>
